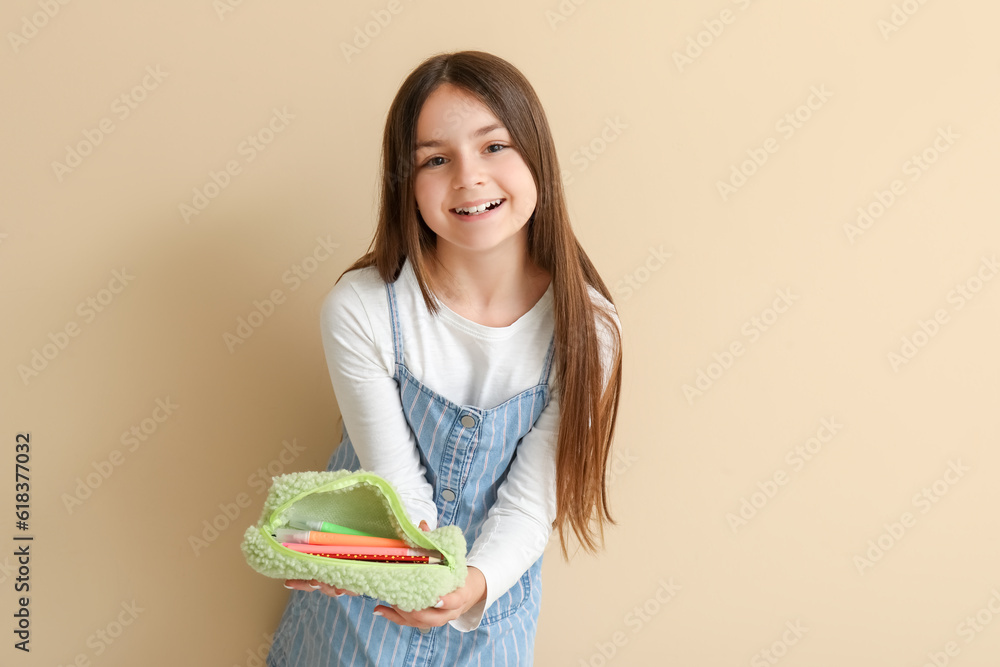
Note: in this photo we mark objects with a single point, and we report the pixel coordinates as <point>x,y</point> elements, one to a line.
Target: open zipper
<point>418,539</point>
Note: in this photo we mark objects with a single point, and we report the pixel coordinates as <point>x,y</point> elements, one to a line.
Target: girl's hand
<point>448,608</point>
<point>310,585</point>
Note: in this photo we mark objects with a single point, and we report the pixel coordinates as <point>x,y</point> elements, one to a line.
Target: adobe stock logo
<point>31,25</point>
<point>381,18</point>
<point>796,457</point>
<point>779,648</point>
<point>88,309</point>
<point>752,329</point>
<point>924,500</point>
<point>640,616</point>
<point>633,282</point>
<point>713,28</point>
<point>968,629</point>
<point>899,17</point>
<point>213,527</point>
<point>264,309</point>
<point>104,637</point>
<point>133,438</point>
<point>587,154</point>
<point>563,11</point>
<point>223,7</point>
<point>249,149</point>
<point>122,107</point>
<point>914,167</point>
<point>926,330</point>
<point>790,123</point>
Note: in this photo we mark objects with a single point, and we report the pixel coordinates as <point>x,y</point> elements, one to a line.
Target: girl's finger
<point>333,591</point>
<point>390,615</point>
<point>298,585</point>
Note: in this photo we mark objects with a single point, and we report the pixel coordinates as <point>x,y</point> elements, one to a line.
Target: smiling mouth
<point>479,210</point>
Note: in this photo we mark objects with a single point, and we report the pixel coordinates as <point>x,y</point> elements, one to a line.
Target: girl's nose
<point>468,172</point>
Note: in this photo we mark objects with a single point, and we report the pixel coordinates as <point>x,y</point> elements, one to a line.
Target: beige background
<point>680,582</point>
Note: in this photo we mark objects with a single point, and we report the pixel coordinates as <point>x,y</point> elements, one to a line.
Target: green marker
<point>326,527</point>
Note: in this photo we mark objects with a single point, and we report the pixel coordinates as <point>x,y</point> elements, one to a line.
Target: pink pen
<point>360,551</point>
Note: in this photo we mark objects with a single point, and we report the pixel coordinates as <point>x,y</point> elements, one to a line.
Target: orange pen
<point>335,539</point>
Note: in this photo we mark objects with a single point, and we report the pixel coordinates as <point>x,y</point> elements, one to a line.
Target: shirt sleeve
<point>368,396</point>
<point>519,524</point>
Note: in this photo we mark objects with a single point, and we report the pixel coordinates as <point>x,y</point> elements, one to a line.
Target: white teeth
<point>476,210</point>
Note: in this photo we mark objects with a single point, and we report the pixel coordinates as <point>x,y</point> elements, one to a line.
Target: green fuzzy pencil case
<point>365,502</point>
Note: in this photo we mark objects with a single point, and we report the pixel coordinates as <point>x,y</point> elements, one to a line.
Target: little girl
<point>475,354</point>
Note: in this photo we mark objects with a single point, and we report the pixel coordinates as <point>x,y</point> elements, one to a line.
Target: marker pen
<point>316,537</point>
<point>326,527</point>
<point>321,550</point>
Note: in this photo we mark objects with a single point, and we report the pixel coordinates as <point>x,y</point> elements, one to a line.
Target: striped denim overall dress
<point>466,451</point>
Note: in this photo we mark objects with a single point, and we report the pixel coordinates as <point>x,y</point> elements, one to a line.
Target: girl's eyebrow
<point>436,143</point>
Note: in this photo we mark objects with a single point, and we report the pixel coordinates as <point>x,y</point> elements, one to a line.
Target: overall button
<point>448,495</point>
<point>468,421</point>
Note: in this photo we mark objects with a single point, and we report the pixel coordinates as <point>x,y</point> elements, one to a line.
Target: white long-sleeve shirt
<point>469,364</point>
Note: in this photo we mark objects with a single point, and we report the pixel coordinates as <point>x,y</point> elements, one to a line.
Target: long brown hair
<point>587,415</point>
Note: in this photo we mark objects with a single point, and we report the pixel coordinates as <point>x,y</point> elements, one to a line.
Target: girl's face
<point>473,188</point>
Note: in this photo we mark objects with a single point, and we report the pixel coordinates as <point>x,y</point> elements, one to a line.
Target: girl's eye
<point>433,162</point>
